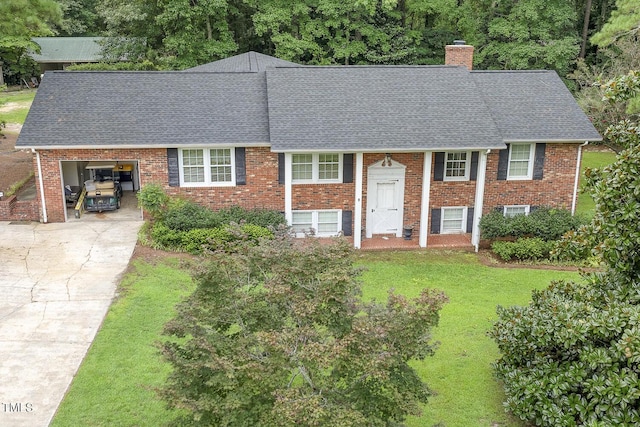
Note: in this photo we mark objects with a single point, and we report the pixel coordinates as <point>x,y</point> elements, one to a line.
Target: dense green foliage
<point>523,249</point>
<point>278,335</point>
<point>572,356</point>
<point>544,222</point>
<point>183,225</point>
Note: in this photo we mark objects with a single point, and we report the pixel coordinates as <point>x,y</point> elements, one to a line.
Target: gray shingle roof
<point>246,62</point>
<point>377,109</point>
<point>533,106</point>
<point>126,109</point>
<point>354,108</point>
<point>68,49</point>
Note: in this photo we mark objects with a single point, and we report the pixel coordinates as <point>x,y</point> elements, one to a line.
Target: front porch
<point>439,241</point>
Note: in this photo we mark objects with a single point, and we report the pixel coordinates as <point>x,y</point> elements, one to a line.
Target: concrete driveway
<point>56,284</point>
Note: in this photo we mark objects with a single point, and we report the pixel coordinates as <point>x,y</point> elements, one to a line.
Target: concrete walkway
<point>56,284</point>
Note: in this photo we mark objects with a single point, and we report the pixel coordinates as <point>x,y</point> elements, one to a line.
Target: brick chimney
<point>459,53</point>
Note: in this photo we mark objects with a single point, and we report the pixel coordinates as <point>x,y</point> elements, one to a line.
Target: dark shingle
<point>147,109</point>
<point>534,106</point>
<point>377,109</point>
<point>249,62</point>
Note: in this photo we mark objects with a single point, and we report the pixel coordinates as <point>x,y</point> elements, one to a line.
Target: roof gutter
<point>42,199</point>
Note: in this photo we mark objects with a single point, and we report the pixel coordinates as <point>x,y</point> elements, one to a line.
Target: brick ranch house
<point>362,151</point>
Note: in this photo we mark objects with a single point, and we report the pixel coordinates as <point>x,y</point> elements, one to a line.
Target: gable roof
<point>377,108</point>
<point>533,106</point>
<point>68,49</point>
<point>74,109</point>
<point>249,62</point>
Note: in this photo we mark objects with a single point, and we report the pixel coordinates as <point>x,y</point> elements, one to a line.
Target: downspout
<point>426,193</point>
<point>288,190</point>
<point>575,185</point>
<point>479,201</point>
<point>357,214</point>
<point>42,199</point>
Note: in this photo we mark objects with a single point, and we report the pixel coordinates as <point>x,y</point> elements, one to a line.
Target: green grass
<point>114,385</point>
<point>459,373</point>
<point>20,114</point>
<point>591,159</point>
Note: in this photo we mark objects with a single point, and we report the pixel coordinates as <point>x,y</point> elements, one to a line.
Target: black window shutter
<point>435,221</point>
<point>280,168</point>
<point>473,173</point>
<point>438,169</point>
<point>503,164</point>
<point>347,168</point>
<point>173,167</point>
<point>538,163</point>
<point>347,223</point>
<point>241,166</point>
<point>469,220</point>
<point>499,209</point>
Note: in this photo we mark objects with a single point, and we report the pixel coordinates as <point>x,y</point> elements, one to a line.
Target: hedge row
<point>544,223</point>
<point>199,240</point>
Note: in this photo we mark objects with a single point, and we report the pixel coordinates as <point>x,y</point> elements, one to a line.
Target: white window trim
<point>532,148</point>
<point>207,168</point>
<point>314,223</point>
<point>527,209</point>
<point>467,167</point>
<point>315,164</point>
<point>463,225</point>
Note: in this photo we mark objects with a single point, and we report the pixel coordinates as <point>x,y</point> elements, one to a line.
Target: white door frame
<point>380,172</point>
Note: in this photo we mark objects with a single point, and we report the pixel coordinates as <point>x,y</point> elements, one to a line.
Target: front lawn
<point>591,159</point>
<point>114,385</point>
<point>14,106</point>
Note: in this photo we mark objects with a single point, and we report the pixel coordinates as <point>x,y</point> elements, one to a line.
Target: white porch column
<point>577,179</point>
<point>288,203</point>
<point>357,205</point>
<point>479,201</point>
<point>426,192</point>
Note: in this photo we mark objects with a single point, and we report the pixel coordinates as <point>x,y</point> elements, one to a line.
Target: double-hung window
<point>521,161</point>
<point>453,220</point>
<point>321,222</point>
<point>316,167</point>
<point>456,167</point>
<point>207,167</point>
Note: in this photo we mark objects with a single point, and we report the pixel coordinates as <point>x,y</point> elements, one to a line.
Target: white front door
<point>385,199</point>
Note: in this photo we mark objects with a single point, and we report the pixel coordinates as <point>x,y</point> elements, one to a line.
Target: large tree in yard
<point>20,20</point>
<point>277,335</point>
<point>572,356</point>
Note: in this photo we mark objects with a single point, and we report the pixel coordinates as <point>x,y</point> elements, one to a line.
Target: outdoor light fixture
<point>387,160</point>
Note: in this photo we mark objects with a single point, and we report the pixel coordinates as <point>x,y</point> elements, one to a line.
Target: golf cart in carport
<point>103,191</point>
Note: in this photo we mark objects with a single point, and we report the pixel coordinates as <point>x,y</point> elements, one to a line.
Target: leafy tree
<point>79,18</point>
<point>532,34</point>
<point>19,21</point>
<point>277,335</point>
<point>196,31</point>
<point>624,21</point>
<point>614,60</point>
<point>572,356</point>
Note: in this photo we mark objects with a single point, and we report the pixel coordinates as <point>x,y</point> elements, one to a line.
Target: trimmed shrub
<point>545,223</point>
<point>186,215</point>
<point>523,249</point>
<point>263,217</point>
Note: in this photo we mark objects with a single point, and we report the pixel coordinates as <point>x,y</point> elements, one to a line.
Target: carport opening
<point>112,182</point>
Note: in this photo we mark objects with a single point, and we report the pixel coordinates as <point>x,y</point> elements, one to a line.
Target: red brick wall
<point>12,209</point>
<point>262,189</point>
<point>555,189</point>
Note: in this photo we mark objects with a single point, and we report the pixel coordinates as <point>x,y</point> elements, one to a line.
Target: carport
<point>76,174</point>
